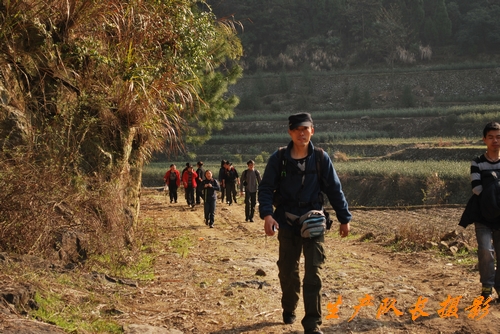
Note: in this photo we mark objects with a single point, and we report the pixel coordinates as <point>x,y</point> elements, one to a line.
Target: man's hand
<point>344,230</point>
<point>270,225</point>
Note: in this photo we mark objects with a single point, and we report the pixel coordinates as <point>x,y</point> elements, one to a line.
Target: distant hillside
<point>367,90</point>
<point>338,34</point>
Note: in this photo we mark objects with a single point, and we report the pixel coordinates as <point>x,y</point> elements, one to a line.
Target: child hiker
<point>210,188</point>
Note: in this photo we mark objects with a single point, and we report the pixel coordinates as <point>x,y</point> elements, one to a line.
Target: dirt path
<point>214,287</point>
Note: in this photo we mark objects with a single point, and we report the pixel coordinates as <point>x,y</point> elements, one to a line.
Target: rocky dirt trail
<point>224,279</point>
<point>218,286</point>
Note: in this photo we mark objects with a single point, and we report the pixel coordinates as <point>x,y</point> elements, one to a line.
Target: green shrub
<point>249,102</point>
<point>366,102</point>
<point>284,85</point>
<point>268,99</point>
<point>237,158</point>
<point>275,106</point>
<point>354,99</point>
<point>302,102</point>
<point>407,98</point>
<point>265,156</point>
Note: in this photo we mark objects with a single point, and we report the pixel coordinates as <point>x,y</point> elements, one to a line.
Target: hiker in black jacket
<point>222,171</point>
<point>229,181</point>
<point>201,176</point>
<point>210,188</point>
<point>250,179</point>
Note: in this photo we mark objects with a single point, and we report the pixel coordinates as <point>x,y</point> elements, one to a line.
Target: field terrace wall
<point>386,87</point>
<point>402,127</point>
<point>401,191</point>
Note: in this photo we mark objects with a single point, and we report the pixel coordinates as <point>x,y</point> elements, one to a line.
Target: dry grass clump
<point>435,191</point>
<point>340,156</point>
<point>444,143</point>
<point>420,235</point>
<point>42,204</point>
<point>411,237</point>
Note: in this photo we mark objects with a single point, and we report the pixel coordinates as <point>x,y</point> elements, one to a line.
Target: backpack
<point>244,177</point>
<point>201,175</point>
<point>318,153</point>
<point>231,175</point>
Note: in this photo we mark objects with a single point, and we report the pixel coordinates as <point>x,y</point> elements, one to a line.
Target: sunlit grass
<point>181,245</point>
<point>54,309</point>
<point>430,141</point>
<point>140,268</point>
<point>444,169</point>
<point>481,111</point>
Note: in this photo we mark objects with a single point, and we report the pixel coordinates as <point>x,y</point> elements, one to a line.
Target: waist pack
<point>312,224</point>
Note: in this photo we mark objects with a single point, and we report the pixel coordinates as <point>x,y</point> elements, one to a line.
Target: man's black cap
<point>300,119</point>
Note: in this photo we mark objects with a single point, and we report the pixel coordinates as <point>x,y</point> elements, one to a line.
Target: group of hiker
<point>200,185</point>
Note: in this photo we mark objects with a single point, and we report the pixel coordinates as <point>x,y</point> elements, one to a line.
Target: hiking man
<point>292,178</point>
<point>483,211</point>
<point>250,179</point>
<point>229,180</point>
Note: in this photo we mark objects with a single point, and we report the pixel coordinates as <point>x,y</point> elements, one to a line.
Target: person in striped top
<point>485,170</point>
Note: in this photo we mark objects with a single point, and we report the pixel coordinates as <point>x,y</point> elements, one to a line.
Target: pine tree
<point>442,22</point>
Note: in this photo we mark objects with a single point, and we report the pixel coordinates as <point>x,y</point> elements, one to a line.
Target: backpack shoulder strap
<point>282,161</point>
<point>319,161</point>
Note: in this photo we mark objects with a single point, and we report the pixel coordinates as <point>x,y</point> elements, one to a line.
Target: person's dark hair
<point>172,165</point>
<point>200,163</point>
<point>489,127</point>
<point>222,163</point>
<point>250,162</point>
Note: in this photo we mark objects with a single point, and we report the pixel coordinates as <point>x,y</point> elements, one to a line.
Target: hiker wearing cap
<point>189,180</point>
<point>222,171</point>
<point>250,179</point>
<point>229,180</point>
<point>294,181</point>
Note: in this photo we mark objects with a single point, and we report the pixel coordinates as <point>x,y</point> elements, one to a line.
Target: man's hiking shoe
<point>251,220</point>
<point>211,225</point>
<point>289,317</point>
<point>487,293</point>
<point>316,331</point>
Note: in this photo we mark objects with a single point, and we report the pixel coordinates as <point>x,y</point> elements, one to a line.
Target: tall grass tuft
<point>42,203</point>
